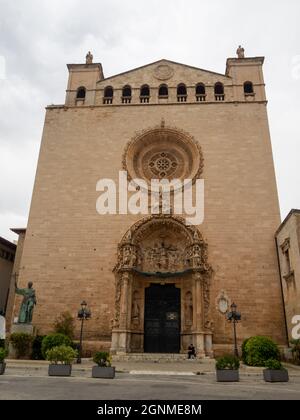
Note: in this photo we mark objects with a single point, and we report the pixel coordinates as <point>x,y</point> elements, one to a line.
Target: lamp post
<point>234,316</point>
<point>83,314</point>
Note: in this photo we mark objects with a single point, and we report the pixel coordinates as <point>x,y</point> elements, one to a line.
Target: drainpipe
<point>282,295</point>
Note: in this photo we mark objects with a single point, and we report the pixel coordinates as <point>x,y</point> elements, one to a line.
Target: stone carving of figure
<point>127,255</point>
<point>135,312</point>
<point>89,58</point>
<point>29,300</point>
<point>196,256</point>
<point>163,262</point>
<point>133,259</point>
<point>188,308</point>
<point>240,52</point>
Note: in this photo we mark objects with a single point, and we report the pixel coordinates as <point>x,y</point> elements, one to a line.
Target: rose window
<point>163,164</point>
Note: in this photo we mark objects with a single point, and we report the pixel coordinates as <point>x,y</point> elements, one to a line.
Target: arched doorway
<point>162,319</point>
<point>162,287</point>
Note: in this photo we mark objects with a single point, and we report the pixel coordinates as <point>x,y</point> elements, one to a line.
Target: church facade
<point>153,282</point>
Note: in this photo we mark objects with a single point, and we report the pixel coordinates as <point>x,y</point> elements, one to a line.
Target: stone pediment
<point>164,71</point>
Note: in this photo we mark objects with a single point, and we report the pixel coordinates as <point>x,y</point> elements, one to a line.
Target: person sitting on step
<point>191,352</point>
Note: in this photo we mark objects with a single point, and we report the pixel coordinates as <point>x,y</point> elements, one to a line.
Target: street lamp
<point>83,314</point>
<point>234,316</point>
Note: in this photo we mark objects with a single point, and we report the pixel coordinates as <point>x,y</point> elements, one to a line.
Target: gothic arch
<point>162,248</point>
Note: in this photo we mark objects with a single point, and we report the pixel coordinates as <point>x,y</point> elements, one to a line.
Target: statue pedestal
<point>21,328</point>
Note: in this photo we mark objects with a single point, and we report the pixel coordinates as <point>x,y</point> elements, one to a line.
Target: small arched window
<point>126,94</point>
<point>163,91</point>
<point>181,93</point>
<point>144,94</point>
<point>108,95</point>
<point>108,92</point>
<point>200,92</point>
<point>81,92</point>
<point>219,91</point>
<point>248,88</point>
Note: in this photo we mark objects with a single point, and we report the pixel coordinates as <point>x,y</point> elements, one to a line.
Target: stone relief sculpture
<point>135,312</point>
<point>163,257</point>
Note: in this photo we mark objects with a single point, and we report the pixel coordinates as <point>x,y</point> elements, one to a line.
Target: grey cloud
<point>38,38</point>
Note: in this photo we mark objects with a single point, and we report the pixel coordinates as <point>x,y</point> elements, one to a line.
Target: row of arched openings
<point>163,92</point>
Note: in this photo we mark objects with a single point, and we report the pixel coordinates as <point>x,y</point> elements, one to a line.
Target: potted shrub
<point>54,340</point>
<point>227,369</point>
<point>3,354</point>
<point>258,349</point>
<point>61,358</point>
<point>103,368</point>
<point>275,372</point>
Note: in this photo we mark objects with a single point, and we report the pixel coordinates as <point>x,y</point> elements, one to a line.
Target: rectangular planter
<point>60,370</point>
<point>2,367</point>
<point>227,375</point>
<point>103,372</point>
<point>271,375</point>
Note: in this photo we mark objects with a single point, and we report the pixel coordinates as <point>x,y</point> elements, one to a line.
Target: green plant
<point>61,354</point>
<point>259,349</point>
<point>3,354</point>
<point>2,343</point>
<point>244,350</point>
<point>65,324</point>
<point>273,364</point>
<point>296,350</point>
<point>102,358</point>
<point>227,362</point>
<point>54,340</point>
<point>37,348</point>
<point>21,342</point>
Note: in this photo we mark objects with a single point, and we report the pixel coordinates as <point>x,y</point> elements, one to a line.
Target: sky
<point>38,38</point>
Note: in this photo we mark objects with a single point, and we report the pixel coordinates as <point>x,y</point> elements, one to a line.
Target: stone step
<point>149,357</point>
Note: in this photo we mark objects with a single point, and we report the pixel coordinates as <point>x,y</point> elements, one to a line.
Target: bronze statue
<point>27,305</point>
<point>240,52</point>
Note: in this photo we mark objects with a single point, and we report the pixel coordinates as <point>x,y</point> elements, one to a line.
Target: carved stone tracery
<point>163,152</point>
<point>164,244</point>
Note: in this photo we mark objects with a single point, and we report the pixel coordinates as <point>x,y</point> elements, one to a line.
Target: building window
<point>163,91</point>
<point>248,88</point>
<point>81,93</point>
<point>219,92</point>
<point>108,95</point>
<point>200,92</point>
<point>181,93</point>
<point>126,95</point>
<point>144,94</point>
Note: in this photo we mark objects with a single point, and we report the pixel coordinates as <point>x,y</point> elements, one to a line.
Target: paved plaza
<point>142,381</point>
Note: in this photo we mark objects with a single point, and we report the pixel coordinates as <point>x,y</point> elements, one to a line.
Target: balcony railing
<point>219,96</point>
<point>201,97</point>
<point>126,99</point>
<point>144,99</point>
<point>181,98</point>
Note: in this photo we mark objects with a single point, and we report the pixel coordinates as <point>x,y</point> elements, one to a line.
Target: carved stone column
<point>121,332</point>
<point>124,300</point>
<point>199,336</point>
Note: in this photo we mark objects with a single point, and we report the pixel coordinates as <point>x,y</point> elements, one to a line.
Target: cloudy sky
<point>38,37</point>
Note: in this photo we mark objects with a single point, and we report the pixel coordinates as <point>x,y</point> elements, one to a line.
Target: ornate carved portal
<point>162,250</point>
